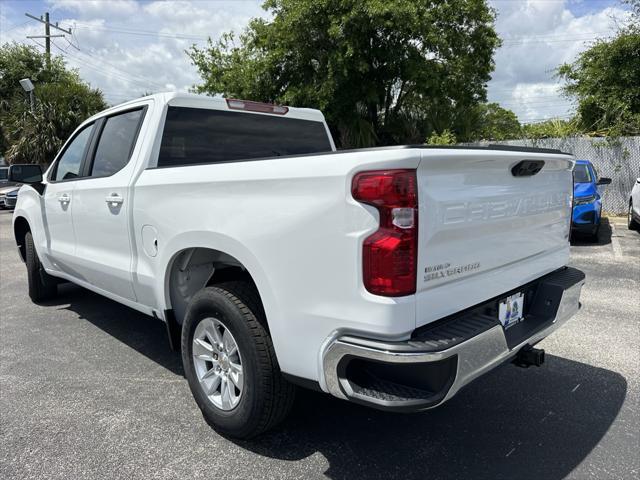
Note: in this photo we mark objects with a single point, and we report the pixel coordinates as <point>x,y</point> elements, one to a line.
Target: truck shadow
<point>144,334</point>
<point>512,423</point>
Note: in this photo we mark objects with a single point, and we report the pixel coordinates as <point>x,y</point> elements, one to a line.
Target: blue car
<point>587,206</point>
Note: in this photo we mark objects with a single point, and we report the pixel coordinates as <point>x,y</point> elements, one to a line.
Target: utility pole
<point>47,39</point>
<point>47,34</point>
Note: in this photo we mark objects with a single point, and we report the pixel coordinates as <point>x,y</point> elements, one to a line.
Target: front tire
<point>42,286</point>
<point>230,362</point>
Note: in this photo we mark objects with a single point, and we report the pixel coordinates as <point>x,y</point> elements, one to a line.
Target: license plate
<point>511,310</point>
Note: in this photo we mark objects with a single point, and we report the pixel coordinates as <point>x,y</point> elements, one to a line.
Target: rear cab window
<point>197,135</point>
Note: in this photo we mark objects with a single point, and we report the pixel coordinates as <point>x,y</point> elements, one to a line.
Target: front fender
<point>29,206</point>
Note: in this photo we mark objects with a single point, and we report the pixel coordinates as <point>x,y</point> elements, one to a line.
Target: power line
<point>86,55</point>
<point>13,27</point>
<point>144,33</point>
<point>132,75</point>
<point>100,69</point>
<point>511,40</point>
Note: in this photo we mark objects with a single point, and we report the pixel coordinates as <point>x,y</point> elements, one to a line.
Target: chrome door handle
<point>64,198</point>
<point>114,199</point>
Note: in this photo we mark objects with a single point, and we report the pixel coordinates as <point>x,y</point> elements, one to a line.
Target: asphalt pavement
<point>90,389</point>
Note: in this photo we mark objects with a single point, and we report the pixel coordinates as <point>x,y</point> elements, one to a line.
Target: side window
<point>116,143</point>
<point>68,166</point>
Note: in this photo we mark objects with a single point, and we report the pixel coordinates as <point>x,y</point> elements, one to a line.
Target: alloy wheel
<point>218,363</point>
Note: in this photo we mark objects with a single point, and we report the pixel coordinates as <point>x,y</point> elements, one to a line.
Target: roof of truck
<point>193,100</point>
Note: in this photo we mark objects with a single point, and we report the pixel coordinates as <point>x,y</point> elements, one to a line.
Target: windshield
<point>581,174</point>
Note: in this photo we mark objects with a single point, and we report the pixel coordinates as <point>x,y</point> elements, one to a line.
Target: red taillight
<point>390,254</point>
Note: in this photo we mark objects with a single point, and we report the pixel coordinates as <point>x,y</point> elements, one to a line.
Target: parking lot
<point>90,389</point>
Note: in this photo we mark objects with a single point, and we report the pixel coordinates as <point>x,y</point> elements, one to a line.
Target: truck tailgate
<point>483,230</point>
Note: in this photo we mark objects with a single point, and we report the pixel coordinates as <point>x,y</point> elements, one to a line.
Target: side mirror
<point>26,173</point>
<point>604,181</point>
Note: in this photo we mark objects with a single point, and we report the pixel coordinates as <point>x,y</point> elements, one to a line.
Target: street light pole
<point>27,86</point>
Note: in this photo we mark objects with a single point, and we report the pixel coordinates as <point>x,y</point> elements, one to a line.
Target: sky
<point>128,48</point>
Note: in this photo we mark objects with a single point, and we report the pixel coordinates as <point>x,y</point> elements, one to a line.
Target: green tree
<point>63,101</point>
<point>552,128</point>
<point>492,122</point>
<point>382,71</point>
<point>605,80</point>
<point>444,138</point>
<point>634,23</point>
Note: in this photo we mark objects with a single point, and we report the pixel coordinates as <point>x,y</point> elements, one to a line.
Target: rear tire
<point>264,397</point>
<point>631,223</point>
<point>42,286</point>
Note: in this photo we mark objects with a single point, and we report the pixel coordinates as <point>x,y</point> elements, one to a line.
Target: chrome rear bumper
<point>455,366</point>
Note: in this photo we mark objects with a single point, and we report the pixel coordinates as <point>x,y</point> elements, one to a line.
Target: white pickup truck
<point>391,277</point>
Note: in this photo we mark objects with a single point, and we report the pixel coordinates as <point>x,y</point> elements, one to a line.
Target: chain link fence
<point>617,158</point>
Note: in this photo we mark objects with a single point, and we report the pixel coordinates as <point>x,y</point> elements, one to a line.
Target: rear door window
<point>195,135</point>
<point>116,143</point>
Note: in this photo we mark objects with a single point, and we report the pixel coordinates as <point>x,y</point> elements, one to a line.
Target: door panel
<point>59,232</point>
<point>58,204</point>
<point>102,207</point>
<point>102,233</point>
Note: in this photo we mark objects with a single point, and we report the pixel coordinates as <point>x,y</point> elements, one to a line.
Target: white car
<point>391,277</point>
<point>3,194</point>
<point>633,216</point>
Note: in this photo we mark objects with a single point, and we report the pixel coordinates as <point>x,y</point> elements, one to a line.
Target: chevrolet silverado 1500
<point>390,277</point>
